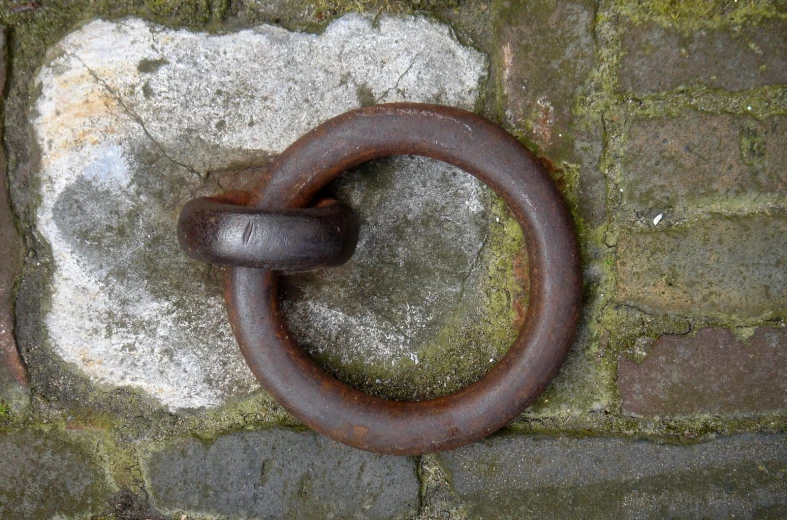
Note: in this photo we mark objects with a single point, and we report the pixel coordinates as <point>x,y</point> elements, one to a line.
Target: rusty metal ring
<point>223,230</point>
<point>482,149</point>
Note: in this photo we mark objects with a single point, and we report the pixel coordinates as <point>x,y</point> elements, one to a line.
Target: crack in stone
<point>402,75</point>
<point>134,116</point>
<point>474,265</point>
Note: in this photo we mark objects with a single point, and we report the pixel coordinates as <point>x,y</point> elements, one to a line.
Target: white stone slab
<point>131,118</point>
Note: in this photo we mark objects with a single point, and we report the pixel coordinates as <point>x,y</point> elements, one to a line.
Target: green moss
<point>148,65</point>
<point>699,13</point>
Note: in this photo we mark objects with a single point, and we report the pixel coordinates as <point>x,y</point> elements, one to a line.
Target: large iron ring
<point>482,149</point>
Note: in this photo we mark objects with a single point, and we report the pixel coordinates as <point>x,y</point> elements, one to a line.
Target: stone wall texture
<point>123,394</point>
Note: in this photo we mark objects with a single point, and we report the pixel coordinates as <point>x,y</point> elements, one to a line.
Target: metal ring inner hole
<point>435,293</point>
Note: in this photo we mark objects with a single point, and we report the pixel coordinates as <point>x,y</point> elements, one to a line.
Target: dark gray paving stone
<point>657,58</point>
<point>517,477</point>
<point>720,267</point>
<point>14,391</point>
<point>48,475</point>
<point>281,474</point>
<point>712,372</point>
<point>698,159</point>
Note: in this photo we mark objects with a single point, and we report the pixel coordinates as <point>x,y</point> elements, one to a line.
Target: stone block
<point>134,119</point>
<point>699,160</point>
<point>734,58</point>
<point>712,372</point>
<point>281,474</point>
<point>724,266</point>
<point>49,475</point>
<point>515,477</point>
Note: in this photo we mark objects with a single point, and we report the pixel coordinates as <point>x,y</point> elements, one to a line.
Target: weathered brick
<point>721,266</point>
<point>49,475</point>
<point>517,477</point>
<point>281,474</point>
<point>700,159</point>
<point>546,50</point>
<point>657,58</point>
<point>713,372</point>
<point>13,380</point>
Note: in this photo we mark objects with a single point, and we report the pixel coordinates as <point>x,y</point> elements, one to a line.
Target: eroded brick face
<point>721,266</point>
<point>714,372</point>
<point>658,58</point>
<point>675,165</point>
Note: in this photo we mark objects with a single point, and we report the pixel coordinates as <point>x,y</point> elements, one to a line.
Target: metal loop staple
<point>223,230</point>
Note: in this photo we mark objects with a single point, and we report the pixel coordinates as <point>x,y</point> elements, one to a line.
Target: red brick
<point>710,373</point>
<point>657,58</point>
<point>547,51</point>
<point>725,267</point>
<point>698,159</point>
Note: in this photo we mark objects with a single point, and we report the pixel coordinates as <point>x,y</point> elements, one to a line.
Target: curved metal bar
<point>482,149</point>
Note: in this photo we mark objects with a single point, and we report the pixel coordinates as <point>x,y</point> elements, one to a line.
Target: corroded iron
<point>482,149</point>
<point>223,230</point>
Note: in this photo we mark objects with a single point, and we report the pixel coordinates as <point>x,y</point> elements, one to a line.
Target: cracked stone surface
<point>131,121</point>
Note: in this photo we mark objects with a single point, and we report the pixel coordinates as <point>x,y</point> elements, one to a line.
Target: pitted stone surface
<point>415,254</point>
<point>130,119</point>
<point>281,474</point>
<point>515,477</point>
<point>49,475</point>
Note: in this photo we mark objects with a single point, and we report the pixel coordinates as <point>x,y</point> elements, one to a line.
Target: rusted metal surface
<point>482,149</point>
<point>223,230</point>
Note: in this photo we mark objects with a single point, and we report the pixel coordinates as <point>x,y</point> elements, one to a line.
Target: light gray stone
<point>281,474</point>
<point>425,241</point>
<point>131,120</point>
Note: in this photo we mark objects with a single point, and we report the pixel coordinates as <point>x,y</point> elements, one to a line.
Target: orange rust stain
<point>545,120</point>
<point>523,287</point>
